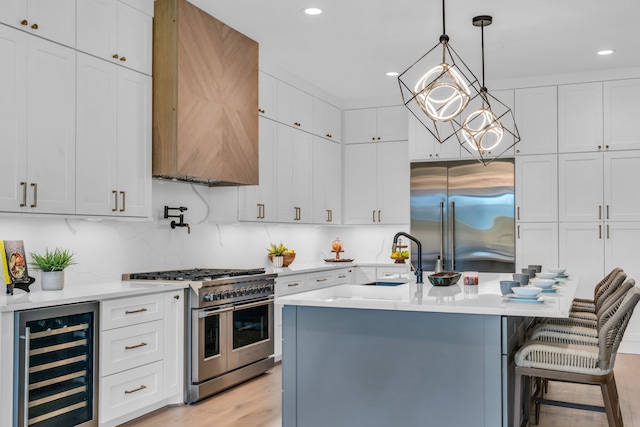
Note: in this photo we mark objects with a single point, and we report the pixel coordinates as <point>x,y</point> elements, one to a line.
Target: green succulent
<point>56,260</point>
<point>277,250</point>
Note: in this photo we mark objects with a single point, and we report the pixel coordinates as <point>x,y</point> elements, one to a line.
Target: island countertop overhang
<point>484,298</point>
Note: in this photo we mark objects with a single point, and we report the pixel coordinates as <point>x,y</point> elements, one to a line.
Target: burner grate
<point>196,274</point>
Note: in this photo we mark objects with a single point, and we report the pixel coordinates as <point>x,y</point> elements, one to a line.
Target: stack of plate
<point>526,295</point>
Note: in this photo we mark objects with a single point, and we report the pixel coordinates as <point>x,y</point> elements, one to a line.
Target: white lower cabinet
<point>536,243</point>
<point>141,355</point>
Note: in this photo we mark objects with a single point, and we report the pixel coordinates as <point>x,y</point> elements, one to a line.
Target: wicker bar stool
<point>577,362</point>
<point>584,304</point>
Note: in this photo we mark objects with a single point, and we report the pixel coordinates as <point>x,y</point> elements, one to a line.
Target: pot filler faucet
<point>418,270</point>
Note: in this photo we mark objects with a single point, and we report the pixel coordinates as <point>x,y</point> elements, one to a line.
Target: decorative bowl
<point>526,291</point>
<point>288,258</point>
<point>546,275</point>
<point>557,270</point>
<point>444,278</point>
<point>543,283</point>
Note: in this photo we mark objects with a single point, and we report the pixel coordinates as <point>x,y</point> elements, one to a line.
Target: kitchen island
<point>405,355</point>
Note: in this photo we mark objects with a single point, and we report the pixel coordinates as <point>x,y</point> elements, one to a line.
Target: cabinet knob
<point>260,110</point>
<point>599,147</point>
<point>34,26</point>
<point>24,22</point>
<point>329,135</point>
<point>517,151</point>
<point>606,147</point>
<point>123,59</point>
<point>373,139</point>
<point>176,297</point>
<point>115,56</point>
<point>378,138</point>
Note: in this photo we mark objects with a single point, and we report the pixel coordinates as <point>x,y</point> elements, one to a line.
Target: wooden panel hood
<point>205,98</point>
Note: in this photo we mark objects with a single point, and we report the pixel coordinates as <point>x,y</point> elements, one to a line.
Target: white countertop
<point>38,298</point>
<point>485,298</point>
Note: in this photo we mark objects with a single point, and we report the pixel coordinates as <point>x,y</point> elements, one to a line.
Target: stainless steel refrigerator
<point>463,212</point>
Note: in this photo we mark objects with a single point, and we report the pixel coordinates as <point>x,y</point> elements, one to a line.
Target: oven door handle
<point>202,314</point>
<point>253,304</point>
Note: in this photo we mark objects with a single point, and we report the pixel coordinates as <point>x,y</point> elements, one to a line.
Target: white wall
<point>106,249</point>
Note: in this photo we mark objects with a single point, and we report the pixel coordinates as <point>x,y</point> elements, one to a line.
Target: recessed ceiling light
<point>312,11</point>
<point>392,73</point>
<point>606,52</point>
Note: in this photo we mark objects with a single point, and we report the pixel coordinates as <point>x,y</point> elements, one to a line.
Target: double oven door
<point>230,337</point>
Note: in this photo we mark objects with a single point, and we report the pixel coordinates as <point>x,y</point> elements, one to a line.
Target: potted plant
<point>280,255</point>
<point>52,265</point>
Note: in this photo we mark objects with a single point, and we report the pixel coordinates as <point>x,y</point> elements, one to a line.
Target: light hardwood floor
<point>257,403</point>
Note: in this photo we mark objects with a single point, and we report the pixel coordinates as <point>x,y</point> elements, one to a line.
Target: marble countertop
<point>74,293</point>
<point>302,268</point>
<point>485,298</point>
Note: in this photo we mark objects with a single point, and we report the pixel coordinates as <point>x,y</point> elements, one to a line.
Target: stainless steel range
<point>230,326</point>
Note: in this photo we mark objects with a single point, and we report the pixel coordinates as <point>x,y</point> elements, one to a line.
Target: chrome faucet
<point>418,270</point>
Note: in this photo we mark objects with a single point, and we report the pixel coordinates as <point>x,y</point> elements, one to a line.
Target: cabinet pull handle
<point>328,215</point>
<point>142,387</point>
<point>321,280</point>
<point>140,310</point>
<point>123,59</point>
<point>518,213</point>
<point>599,211</point>
<point>342,276</point>
<point>24,22</point>
<point>379,216</point>
<point>35,194</point>
<point>115,200</point>
<point>607,211</point>
<point>260,110</point>
<point>607,231</point>
<point>176,297</point>
<point>600,232</point>
<point>34,26</point>
<point>124,197</point>
<point>518,232</point>
<point>292,284</point>
<point>131,347</point>
<point>24,194</point>
<point>329,135</point>
<point>116,56</point>
<point>373,216</point>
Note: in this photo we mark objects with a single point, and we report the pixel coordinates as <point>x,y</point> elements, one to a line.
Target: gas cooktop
<point>194,275</point>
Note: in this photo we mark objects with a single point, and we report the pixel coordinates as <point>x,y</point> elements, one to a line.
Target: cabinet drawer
<point>131,346</point>
<point>344,277</point>
<point>130,390</point>
<point>130,311</point>
<point>291,285</point>
<point>400,272</point>
<point>321,280</point>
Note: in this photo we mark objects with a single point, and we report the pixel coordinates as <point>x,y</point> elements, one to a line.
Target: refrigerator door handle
<point>442,232</point>
<point>453,236</point>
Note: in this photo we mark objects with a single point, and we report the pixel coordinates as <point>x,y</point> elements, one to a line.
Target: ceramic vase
<point>52,280</point>
<point>278,261</point>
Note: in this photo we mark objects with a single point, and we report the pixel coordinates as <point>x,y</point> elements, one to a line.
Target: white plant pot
<point>278,261</point>
<point>52,280</point>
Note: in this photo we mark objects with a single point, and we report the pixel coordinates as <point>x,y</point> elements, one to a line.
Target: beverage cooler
<point>55,359</point>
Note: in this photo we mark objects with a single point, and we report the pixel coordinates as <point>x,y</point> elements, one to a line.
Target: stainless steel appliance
<point>230,326</point>
<point>463,212</point>
<point>55,380</point>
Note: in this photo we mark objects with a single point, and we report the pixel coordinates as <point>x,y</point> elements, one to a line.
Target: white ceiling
<point>347,50</point>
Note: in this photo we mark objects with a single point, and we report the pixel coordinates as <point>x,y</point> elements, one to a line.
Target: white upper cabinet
<point>113,149</point>
<point>376,124</point>
<point>51,19</point>
<point>424,146</point>
<point>536,188</point>
<point>267,96</point>
<point>580,117</point>
<point>580,187</point>
<point>621,189</point>
<point>536,112</point>
<point>294,107</point>
<point>327,120</point>
<point>621,112</point>
<point>117,32</point>
<point>327,181</point>
<point>293,175</point>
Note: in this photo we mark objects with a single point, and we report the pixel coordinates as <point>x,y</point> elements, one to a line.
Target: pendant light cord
<point>444,30</point>
<point>484,89</point>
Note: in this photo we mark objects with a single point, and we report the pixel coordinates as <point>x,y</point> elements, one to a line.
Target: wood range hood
<point>205,98</point>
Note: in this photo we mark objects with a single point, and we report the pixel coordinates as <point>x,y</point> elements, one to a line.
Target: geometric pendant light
<point>437,96</point>
<point>487,126</point>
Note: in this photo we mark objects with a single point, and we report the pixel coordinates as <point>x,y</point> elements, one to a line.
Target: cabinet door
<point>134,143</point>
<point>135,39</point>
<point>360,125</point>
<point>621,112</point>
<point>293,175</point>
<point>97,94</point>
<point>393,182</point>
<point>98,28</point>
<point>327,120</point>
<point>257,202</point>
<point>536,243</point>
<point>360,183</point>
<point>13,119</point>
<point>294,107</point>
<point>580,117</point>
<point>621,189</point>
<point>51,130</point>
<point>174,342</point>
<point>537,188</point>
<point>327,181</point>
<point>582,254</point>
<point>53,19</point>
<point>267,90</point>
<point>536,112</point>
<point>392,123</point>
<point>424,146</point>
<point>580,187</point>
<point>12,12</point>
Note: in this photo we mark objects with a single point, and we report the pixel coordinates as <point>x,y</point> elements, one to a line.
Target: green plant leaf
<point>56,260</point>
